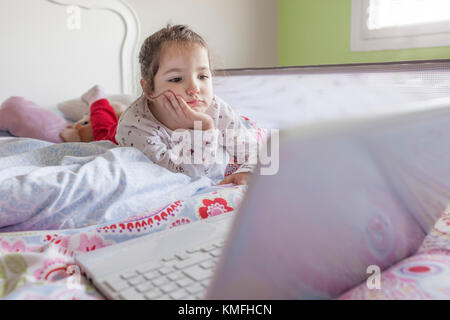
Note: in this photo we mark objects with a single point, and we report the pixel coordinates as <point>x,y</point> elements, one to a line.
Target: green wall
<point>314,32</point>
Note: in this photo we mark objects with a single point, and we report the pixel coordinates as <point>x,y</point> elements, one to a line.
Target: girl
<point>178,122</point>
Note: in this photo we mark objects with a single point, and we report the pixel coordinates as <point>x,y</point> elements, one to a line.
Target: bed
<point>60,199</point>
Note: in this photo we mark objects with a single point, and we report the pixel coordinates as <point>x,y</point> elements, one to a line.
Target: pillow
<point>23,118</point>
<point>75,109</point>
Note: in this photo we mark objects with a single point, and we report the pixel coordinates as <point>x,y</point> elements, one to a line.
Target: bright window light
<point>395,13</point>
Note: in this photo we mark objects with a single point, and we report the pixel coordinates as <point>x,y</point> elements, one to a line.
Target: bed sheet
<point>58,200</point>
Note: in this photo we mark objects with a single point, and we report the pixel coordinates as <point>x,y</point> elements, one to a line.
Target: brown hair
<point>150,54</point>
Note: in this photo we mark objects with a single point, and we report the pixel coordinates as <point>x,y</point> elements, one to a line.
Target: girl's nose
<point>192,88</point>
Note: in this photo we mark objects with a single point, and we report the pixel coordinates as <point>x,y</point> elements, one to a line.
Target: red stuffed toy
<point>100,124</point>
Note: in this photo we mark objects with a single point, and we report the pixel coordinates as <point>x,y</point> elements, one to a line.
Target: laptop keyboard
<point>184,275</point>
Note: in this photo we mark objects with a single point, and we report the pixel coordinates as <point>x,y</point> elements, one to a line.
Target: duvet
<point>57,200</point>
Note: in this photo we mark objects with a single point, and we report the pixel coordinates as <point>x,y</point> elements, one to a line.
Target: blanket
<point>58,200</point>
<point>73,185</point>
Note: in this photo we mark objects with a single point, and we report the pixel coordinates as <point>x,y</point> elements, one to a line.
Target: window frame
<point>391,38</point>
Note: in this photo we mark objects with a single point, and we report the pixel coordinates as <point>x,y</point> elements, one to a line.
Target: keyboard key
<point>175,276</point>
<point>184,282</point>
<point>193,250</point>
<point>195,259</point>
<point>179,294</point>
<point>167,288</point>
<point>169,258</point>
<point>129,275</point>
<point>182,256</point>
<point>131,294</point>
<point>136,281</point>
<point>153,294</point>
<point>216,252</point>
<point>198,274</point>
<point>205,283</point>
<point>196,287</point>
<point>165,270</point>
<point>151,275</point>
<point>160,281</point>
<point>207,264</point>
<point>207,248</point>
<point>117,285</point>
<point>142,269</point>
<point>219,244</point>
<point>144,287</point>
<point>164,297</point>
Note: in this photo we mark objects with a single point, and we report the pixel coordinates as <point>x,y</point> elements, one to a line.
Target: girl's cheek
<point>175,88</point>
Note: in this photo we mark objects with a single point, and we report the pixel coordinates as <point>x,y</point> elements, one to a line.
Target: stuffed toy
<point>24,118</point>
<point>93,121</point>
<point>100,124</point>
<point>99,117</point>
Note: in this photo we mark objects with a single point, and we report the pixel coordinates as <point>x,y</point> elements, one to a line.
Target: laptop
<point>347,196</point>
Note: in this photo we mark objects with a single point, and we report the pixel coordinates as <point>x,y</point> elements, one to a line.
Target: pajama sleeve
<point>177,154</point>
<point>239,142</point>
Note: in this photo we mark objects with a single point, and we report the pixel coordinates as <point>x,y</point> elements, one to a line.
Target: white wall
<point>240,33</point>
<point>44,61</point>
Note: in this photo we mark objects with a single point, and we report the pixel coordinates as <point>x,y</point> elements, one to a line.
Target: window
<point>399,24</point>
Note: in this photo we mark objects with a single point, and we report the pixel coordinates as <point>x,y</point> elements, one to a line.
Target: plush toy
<point>101,121</point>
<point>24,118</point>
<point>100,124</point>
<point>95,118</point>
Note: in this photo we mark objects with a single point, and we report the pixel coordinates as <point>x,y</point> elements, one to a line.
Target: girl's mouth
<point>193,103</point>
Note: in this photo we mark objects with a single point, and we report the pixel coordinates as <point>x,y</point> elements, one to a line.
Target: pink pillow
<point>23,118</point>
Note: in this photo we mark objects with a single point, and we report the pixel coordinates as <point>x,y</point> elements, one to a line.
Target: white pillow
<point>75,109</point>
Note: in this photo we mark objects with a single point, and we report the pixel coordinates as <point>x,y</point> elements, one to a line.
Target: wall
<point>39,52</point>
<point>44,61</point>
<point>313,32</point>
<point>240,33</point>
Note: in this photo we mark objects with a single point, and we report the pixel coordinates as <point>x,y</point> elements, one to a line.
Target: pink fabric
<point>23,118</point>
<point>425,275</point>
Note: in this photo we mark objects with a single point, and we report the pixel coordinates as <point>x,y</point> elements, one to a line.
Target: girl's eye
<point>203,77</point>
<point>175,80</point>
<point>85,123</point>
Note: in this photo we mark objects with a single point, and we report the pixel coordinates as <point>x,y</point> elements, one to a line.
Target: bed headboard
<point>53,50</point>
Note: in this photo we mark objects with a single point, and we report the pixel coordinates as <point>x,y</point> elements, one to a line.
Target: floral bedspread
<point>40,264</point>
<point>88,196</point>
<point>424,275</point>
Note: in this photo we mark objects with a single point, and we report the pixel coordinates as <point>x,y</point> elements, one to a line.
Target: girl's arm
<point>241,144</point>
<point>176,154</point>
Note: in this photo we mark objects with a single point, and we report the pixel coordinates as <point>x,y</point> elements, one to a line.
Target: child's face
<point>185,70</point>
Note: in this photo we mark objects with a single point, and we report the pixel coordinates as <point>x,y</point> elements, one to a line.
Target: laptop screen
<point>347,196</point>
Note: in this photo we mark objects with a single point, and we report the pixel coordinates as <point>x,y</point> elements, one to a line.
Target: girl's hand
<point>182,115</point>
<point>237,178</point>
